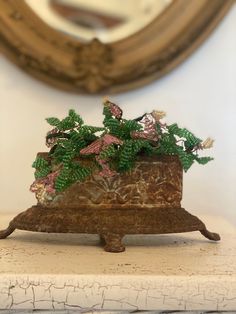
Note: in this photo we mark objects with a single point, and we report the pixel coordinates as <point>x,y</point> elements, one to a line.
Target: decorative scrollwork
<point>91,61</point>
<point>155,183</point>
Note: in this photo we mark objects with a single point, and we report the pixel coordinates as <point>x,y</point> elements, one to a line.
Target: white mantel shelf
<point>162,272</point>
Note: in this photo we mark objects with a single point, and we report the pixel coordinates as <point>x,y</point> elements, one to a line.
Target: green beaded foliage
<point>42,167</point>
<point>115,146</point>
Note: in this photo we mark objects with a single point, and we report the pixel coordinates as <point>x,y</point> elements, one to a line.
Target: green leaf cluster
<point>71,121</point>
<point>71,174</point>
<point>190,139</point>
<point>187,152</point>
<point>71,135</point>
<point>42,167</point>
<point>121,128</point>
<point>129,152</point>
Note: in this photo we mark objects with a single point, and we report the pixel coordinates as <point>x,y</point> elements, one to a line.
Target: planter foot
<point>113,243</point>
<point>102,239</point>
<point>210,235</point>
<point>5,233</point>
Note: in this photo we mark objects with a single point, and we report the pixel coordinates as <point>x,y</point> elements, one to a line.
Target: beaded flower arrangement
<point>112,148</point>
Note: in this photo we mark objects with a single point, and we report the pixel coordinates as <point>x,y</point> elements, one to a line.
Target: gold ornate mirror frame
<point>93,67</point>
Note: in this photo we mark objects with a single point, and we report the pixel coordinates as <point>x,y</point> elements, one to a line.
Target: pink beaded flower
<point>100,144</point>
<point>149,129</point>
<point>115,110</point>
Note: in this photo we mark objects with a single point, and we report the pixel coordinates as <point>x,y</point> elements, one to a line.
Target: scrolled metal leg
<point>210,235</point>
<point>5,233</point>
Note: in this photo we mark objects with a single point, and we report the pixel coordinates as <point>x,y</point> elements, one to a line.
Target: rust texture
<point>154,182</point>
<point>144,201</point>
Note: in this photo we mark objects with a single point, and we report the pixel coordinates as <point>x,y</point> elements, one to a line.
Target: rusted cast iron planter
<point>144,201</point>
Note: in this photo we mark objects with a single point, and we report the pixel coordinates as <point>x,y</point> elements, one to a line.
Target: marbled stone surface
<point>161,272</point>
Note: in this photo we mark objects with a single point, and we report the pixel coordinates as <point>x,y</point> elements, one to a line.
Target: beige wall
<point>200,94</point>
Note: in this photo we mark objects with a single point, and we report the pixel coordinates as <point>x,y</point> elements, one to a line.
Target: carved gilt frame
<point>95,67</point>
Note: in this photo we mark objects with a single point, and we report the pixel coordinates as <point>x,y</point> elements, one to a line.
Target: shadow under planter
<point>146,200</point>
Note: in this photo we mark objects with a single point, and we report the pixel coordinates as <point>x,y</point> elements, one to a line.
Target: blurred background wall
<point>200,95</point>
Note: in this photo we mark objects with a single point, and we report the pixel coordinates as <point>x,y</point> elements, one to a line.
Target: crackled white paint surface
<point>180,272</point>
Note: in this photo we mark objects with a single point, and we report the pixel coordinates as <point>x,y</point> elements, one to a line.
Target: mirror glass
<point>108,20</point>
